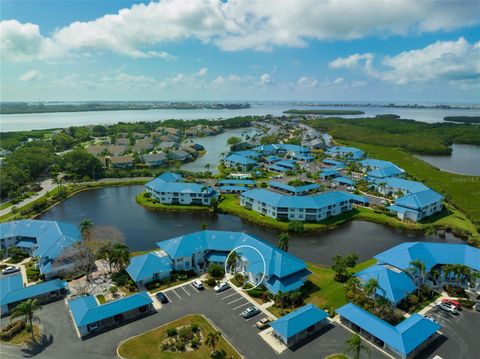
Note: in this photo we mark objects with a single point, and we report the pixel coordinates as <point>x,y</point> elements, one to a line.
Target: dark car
<point>162,298</point>
<point>250,312</point>
<point>477,307</point>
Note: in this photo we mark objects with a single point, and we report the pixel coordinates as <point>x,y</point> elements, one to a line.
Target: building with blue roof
<point>195,251</point>
<point>13,291</point>
<point>385,172</point>
<point>394,284</point>
<point>329,173</point>
<point>237,182</point>
<point>248,153</point>
<point>272,159</point>
<point>344,181</point>
<point>299,324</point>
<point>148,267</point>
<point>90,317</point>
<point>287,164</point>
<point>233,189</point>
<point>418,205</point>
<point>171,177</point>
<point>237,161</point>
<point>297,191</point>
<point>282,149</point>
<point>348,153</point>
<point>179,192</point>
<point>433,256</point>
<point>278,169</point>
<point>393,185</point>
<point>335,163</point>
<point>46,240</point>
<point>404,340</point>
<point>299,208</point>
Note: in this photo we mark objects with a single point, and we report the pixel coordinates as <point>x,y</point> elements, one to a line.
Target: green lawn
<point>337,356</point>
<point>329,294</point>
<point>147,345</point>
<point>462,191</point>
<point>147,202</point>
<point>24,336</point>
<point>5,205</point>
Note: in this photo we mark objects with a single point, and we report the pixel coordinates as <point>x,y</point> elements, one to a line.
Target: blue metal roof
<point>298,320</point>
<point>278,262</point>
<point>431,254</point>
<point>237,181</point>
<point>384,172</point>
<point>233,188</point>
<point>171,177</point>
<point>333,162</point>
<point>12,289</point>
<point>286,187</point>
<point>401,184</point>
<point>405,337</point>
<point>86,310</point>
<point>277,168</point>
<point>247,153</point>
<point>374,163</point>
<point>51,238</point>
<point>394,285</point>
<point>329,173</point>
<point>344,180</point>
<point>419,200</point>
<point>144,266</point>
<point>161,185</point>
<point>272,158</point>
<point>352,152</point>
<point>316,201</point>
<point>245,161</point>
<point>286,163</point>
<point>216,256</point>
<point>274,148</point>
<point>289,283</point>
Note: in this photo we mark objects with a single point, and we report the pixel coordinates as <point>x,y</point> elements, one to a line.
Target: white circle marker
<point>261,256</point>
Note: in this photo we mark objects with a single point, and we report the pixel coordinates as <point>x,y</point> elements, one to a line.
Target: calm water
<point>465,159</point>
<point>142,228</point>
<point>55,120</point>
<point>215,146</point>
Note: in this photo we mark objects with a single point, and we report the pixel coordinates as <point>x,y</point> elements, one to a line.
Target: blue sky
<point>240,50</point>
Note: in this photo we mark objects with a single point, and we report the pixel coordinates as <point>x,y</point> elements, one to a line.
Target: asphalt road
<point>222,309</point>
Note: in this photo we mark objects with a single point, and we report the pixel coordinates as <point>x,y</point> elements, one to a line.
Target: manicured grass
<point>24,336</point>
<point>328,294</point>
<point>101,299</point>
<point>337,356</point>
<point>5,205</point>
<point>147,345</point>
<point>460,190</point>
<point>145,201</point>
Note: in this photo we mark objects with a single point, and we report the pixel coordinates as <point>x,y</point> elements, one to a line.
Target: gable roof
<point>405,337</point>
<point>431,254</point>
<point>12,289</point>
<point>401,184</point>
<point>394,285</point>
<point>144,266</point>
<point>384,172</point>
<point>160,185</point>
<point>298,320</point>
<point>170,177</point>
<point>419,199</point>
<point>277,262</point>
<point>286,187</point>
<point>235,158</point>
<point>86,310</point>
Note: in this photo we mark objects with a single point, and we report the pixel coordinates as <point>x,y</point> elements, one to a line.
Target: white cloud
<point>202,72</point>
<point>233,25</point>
<point>265,79</point>
<point>443,60</point>
<point>307,82</point>
<point>338,80</point>
<point>30,75</point>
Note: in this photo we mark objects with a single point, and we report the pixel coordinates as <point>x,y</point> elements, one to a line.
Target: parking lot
<point>460,335</point>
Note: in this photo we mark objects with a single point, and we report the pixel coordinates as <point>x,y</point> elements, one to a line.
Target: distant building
<point>350,153</point>
<point>237,161</point>
<point>155,159</point>
<point>121,161</point>
<point>417,206</point>
<point>178,155</point>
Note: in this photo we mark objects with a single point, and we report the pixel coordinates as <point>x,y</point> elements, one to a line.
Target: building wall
<point>296,214</point>
<point>179,198</point>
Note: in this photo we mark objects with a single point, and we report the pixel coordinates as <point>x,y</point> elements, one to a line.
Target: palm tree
<point>86,225</point>
<point>120,255</point>
<point>232,261</point>
<point>371,287</point>
<point>418,267</point>
<point>447,270</point>
<point>283,239</point>
<point>434,274</point>
<point>212,339</point>
<point>459,270</point>
<point>26,310</point>
<point>280,299</point>
<point>355,346</point>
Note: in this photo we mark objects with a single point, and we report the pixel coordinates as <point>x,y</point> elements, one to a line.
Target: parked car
<point>429,317</point>
<point>220,287</point>
<point>477,307</point>
<point>452,302</point>
<point>263,323</point>
<point>350,189</point>
<point>447,307</point>
<point>250,312</point>
<point>198,284</point>
<point>10,270</point>
<point>384,202</point>
<point>162,298</point>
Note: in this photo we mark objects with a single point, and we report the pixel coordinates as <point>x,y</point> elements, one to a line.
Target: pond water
<point>30,121</point>
<point>465,159</point>
<point>215,146</point>
<point>143,228</point>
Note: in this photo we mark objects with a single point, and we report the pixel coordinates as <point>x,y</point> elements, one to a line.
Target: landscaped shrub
<point>171,332</point>
<point>185,333</point>
<point>216,270</point>
<point>195,343</point>
<point>33,274</point>
<point>295,226</point>
<point>12,329</point>
<point>455,291</point>
<point>180,346</point>
<point>467,303</point>
<point>194,327</point>
<point>211,282</point>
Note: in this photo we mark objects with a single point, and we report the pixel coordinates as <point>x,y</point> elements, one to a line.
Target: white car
<point>429,317</point>
<point>447,307</point>
<point>350,189</point>
<point>10,270</point>
<point>198,284</point>
<point>220,287</point>
<point>384,202</point>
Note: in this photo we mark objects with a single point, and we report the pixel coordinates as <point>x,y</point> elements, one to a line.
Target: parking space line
<point>223,291</point>
<point>241,305</point>
<point>235,300</point>
<point>185,291</point>
<point>250,318</point>
<point>173,290</point>
<point>196,290</point>
<point>229,296</point>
